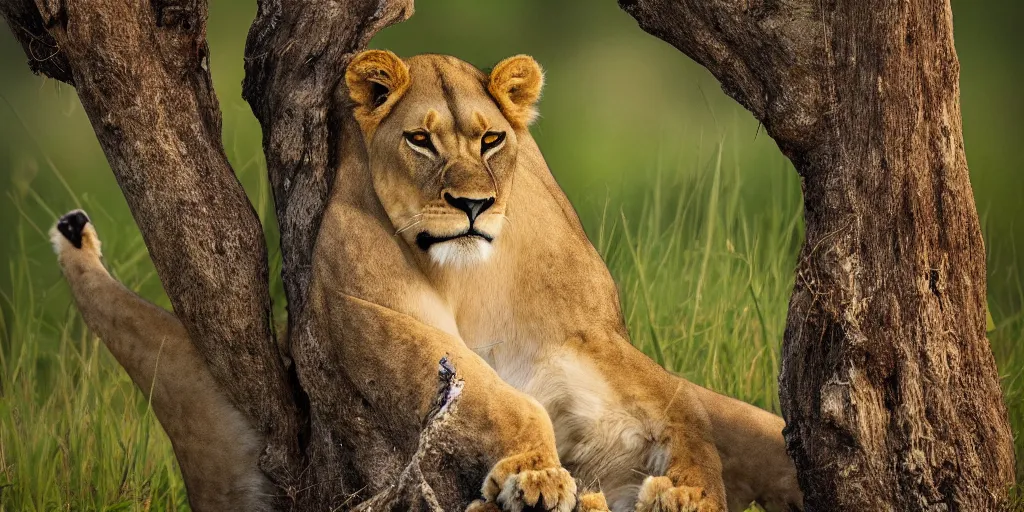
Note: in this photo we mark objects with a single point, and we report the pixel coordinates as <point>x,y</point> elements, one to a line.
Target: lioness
<point>450,237</point>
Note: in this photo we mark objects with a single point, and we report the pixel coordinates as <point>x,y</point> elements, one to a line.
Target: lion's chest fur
<point>599,438</point>
<point>541,287</point>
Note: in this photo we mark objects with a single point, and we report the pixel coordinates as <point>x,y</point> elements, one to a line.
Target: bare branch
<point>412,491</point>
<point>29,28</point>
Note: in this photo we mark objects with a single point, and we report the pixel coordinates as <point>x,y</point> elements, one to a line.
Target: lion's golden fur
<point>522,305</point>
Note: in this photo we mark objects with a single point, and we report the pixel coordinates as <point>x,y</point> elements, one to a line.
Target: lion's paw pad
<point>71,226</point>
<point>659,495</point>
<point>551,489</point>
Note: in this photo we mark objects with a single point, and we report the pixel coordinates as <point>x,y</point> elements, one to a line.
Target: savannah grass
<point>704,274</point>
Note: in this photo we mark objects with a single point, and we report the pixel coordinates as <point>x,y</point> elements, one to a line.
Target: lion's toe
<point>592,502</point>
<point>657,494</point>
<point>551,489</point>
<point>482,506</point>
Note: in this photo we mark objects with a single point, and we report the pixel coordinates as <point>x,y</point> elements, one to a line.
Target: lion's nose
<point>472,207</point>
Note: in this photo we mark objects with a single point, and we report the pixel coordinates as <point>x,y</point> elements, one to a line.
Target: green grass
<point>77,434</point>
<point>704,273</point>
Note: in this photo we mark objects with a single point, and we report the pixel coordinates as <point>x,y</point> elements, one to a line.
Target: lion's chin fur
<point>460,252</point>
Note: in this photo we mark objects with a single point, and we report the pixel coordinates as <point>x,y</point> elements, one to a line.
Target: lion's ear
<point>515,83</point>
<point>376,80</point>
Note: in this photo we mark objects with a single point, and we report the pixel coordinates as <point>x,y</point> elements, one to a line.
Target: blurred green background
<point>694,208</point>
<point>618,104</point>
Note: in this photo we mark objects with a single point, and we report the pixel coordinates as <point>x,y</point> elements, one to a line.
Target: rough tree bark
<point>141,71</point>
<point>888,386</point>
<point>142,74</point>
<point>295,58</point>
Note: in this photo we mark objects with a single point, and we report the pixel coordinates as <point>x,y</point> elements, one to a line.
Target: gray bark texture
<point>888,387</point>
<point>295,57</point>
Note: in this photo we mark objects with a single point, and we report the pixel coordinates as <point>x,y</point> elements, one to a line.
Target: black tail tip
<point>71,226</point>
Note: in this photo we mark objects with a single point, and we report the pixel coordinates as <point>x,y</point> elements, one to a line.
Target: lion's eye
<point>491,140</point>
<point>420,139</point>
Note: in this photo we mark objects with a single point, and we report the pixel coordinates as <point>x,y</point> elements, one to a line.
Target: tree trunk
<point>142,75</point>
<point>141,70</point>
<point>295,58</point>
<point>888,386</point>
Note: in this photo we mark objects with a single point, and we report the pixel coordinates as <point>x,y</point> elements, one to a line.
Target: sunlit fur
<point>536,303</point>
<point>530,320</point>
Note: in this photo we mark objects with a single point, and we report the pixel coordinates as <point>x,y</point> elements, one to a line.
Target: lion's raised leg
<point>215,447</point>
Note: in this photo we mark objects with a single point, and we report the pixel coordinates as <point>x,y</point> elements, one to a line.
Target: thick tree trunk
<point>295,58</point>
<point>142,74</point>
<point>889,387</point>
<point>296,55</point>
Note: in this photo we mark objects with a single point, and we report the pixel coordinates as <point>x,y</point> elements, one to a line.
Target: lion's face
<point>442,145</point>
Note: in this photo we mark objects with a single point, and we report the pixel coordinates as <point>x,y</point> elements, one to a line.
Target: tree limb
<point>141,71</point>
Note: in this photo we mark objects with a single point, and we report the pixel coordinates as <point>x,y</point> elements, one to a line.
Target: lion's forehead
<point>433,67</point>
<point>453,88</point>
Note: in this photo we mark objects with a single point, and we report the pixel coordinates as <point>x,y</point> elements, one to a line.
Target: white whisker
<point>485,347</point>
<point>407,227</point>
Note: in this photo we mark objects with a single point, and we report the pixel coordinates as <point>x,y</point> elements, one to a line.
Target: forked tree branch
<point>141,71</point>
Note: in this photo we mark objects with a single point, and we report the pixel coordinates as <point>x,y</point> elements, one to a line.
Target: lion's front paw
<point>482,506</point>
<point>523,483</point>
<point>592,502</point>
<point>542,489</point>
<point>659,495</point>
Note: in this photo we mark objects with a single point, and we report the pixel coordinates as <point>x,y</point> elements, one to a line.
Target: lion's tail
<point>755,465</point>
